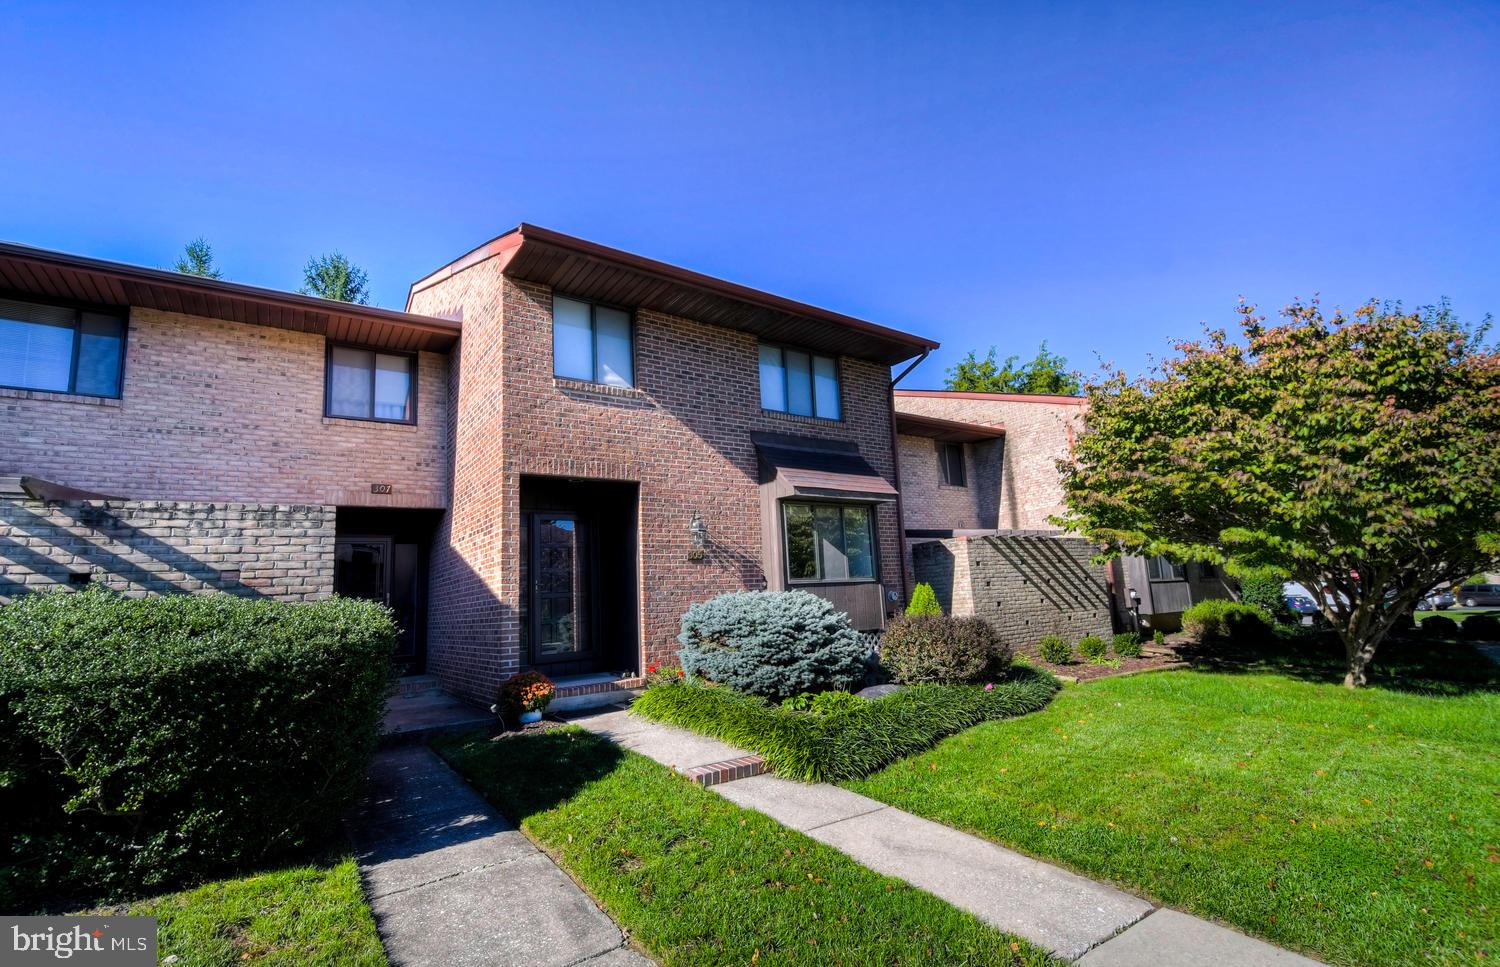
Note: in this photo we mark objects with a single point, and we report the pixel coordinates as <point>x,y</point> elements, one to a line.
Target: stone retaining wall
<point>280,551</point>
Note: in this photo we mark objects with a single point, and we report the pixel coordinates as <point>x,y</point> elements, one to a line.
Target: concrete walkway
<point>1070,915</point>
<point>452,883</point>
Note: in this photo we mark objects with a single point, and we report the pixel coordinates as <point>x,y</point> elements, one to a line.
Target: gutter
<point>906,575</point>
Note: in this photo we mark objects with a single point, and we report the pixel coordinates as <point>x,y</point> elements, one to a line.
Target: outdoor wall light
<point>698,531</point>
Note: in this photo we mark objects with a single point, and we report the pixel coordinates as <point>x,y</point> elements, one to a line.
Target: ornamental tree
<point>1359,456</point>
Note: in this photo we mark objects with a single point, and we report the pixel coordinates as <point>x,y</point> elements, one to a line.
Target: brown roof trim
<point>38,489</point>
<point>1004,397</point>
<point>508,244</point>
<point>949,431</point>
<point>121,283</point>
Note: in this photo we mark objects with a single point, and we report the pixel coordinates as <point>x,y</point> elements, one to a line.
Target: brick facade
<point>943,506</point>
<point>682,434</point>
<point>222,411</point>
<point>1028,587</point>
<point>1038,433</point>
<point>138,547</point>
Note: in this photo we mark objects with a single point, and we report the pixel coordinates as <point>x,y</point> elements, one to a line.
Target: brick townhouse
<point>540,463</point>
<point>980,485</point>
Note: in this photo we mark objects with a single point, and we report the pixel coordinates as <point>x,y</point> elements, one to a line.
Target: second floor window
<point>60,349</point>
<point>796,381</point>
<point>592,343</point>
<point>951,461</point>
<point>367,384</point>
<point>1159,568</point>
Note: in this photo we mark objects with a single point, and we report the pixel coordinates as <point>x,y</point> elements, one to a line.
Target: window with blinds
<point>61,349</point>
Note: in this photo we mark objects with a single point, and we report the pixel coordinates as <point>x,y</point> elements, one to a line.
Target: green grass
<point>301,915</point>
<point>1458,616</point>
<point>695,879</point>
<point>1363,827</point>
<point>849,743</point>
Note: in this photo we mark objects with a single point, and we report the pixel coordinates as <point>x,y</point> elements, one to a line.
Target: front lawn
<point>1363,827</point>
<point>695,879</point>
<point>314,914</point>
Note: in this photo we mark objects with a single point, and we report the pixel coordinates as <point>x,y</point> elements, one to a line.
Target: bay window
<point>829,542</point>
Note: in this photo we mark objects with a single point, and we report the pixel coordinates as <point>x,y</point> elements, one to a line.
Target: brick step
<point>594,691</point>
<point>410,685</point>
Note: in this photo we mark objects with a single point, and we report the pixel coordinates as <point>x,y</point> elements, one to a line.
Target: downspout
<point>896,472</point>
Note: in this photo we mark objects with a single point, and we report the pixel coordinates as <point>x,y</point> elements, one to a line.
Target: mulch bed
<point>1082,670</point>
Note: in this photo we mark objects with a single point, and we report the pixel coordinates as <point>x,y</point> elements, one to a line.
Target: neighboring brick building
<point>981,465</point>
<point>541,464</point>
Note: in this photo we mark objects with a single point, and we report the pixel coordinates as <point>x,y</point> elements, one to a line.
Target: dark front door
<point>562,626</point>
<point>382,569</point>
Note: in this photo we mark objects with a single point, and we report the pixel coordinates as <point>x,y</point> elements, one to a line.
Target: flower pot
<point>535,715</point>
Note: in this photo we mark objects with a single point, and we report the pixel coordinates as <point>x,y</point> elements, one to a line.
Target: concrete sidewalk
<point>1070,915</point>
<point>452,883</point>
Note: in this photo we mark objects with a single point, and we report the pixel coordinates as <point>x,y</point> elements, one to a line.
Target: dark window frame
<point>594,341</point>
<point>79,308</point>
<point>842,505</point>
<point>945,448</point>
<point>1177,573</point>
<point>786,386</point>
<point>413,360</point>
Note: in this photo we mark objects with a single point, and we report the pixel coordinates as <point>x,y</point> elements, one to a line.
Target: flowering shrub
<point>659,674</point>
<point>526,692</point>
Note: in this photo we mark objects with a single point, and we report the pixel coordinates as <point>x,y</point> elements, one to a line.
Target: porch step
<point>576,692</point>
<point>416,684</point>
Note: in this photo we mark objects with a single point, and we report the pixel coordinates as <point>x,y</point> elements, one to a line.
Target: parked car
<point>1479,595</point>
<point>1302,605</point>
<point>1440,599</point>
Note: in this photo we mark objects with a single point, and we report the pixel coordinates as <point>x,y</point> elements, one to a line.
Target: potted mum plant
<point>525,695</point>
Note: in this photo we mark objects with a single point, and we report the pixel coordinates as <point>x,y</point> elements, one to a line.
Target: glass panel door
<point>362,568</point>
<point>559,612</point>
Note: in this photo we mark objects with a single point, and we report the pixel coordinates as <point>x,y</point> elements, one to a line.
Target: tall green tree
<point>1046,373</point>
<point>1359,456</point>
<point>334,277</point>
<point>198,259</point>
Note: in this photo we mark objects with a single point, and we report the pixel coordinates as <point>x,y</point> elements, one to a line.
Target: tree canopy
<point>198,259</point>
<point>1358,455</point>
<point>1046,373</point>
<point>334,277</point>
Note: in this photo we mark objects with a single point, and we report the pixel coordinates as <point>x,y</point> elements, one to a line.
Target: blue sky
<point>1104,176</point>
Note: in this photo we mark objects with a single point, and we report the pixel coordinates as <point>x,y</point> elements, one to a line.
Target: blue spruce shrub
<point>773,643</point>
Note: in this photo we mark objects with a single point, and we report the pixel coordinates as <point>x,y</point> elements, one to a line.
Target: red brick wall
<point>1037,435</point>
<point>221,411</point>
<point>932,504</point>
<point>683,434</point>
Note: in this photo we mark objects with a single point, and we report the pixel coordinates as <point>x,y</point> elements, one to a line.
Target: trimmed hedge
<point>144,741</point>
<point>845,744</point>
<point>1439,626</point>
<point>1219,619</point>
<point>918,649</point>
<point>773,643</point>
<point>1481,627</point>
<point>1055,649</point>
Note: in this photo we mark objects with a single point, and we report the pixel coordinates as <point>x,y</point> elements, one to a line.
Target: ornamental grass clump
<point>148,741</point>
<point>844,743</point>
<point>944,650</point>
<point>772,643</point>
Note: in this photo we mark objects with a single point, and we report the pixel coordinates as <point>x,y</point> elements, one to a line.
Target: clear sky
<point>1105,176</point>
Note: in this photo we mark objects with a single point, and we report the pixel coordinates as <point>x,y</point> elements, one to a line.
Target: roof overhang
<point>991,397</point>
<point>598,273</point>
<point>42,274</point>
<point>38,489</point>
<point>948,431</point>
<point>825,469</point>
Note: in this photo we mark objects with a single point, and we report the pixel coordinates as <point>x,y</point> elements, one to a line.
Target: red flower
<point>679,673</point>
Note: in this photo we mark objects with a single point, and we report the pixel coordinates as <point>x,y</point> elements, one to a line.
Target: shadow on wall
<point>1057,575</point>
<point>92,543</point>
